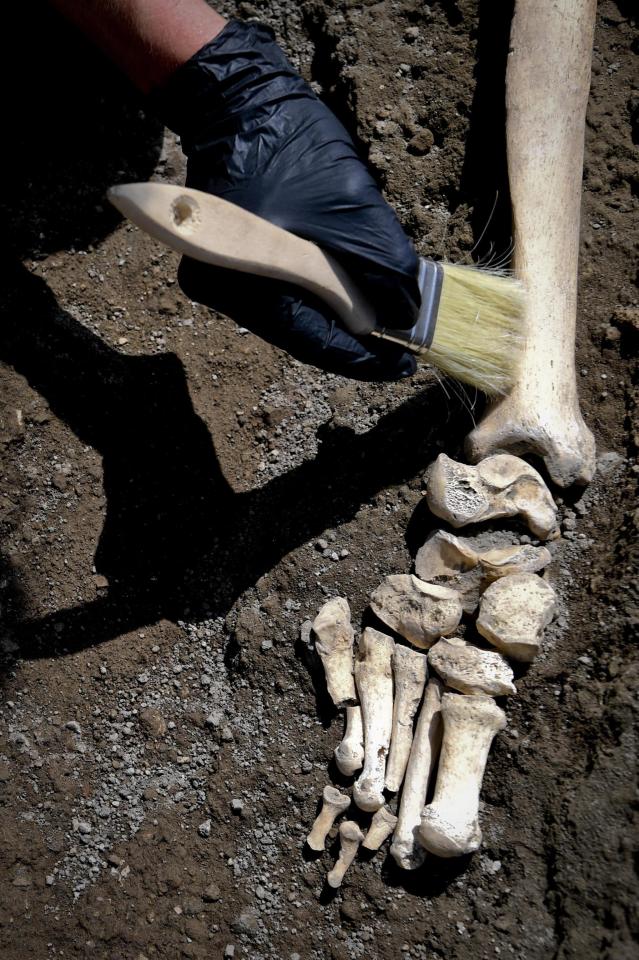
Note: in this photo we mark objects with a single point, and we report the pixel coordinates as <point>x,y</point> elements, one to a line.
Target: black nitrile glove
<point>255,134</point>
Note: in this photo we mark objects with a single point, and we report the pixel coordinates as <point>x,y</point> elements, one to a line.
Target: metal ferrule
<point>418,338</point>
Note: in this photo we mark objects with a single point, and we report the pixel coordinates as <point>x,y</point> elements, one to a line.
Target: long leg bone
<point>335,803</point>
<point>350,837</point>
<point>405,850</point>
<point>449,825</point>
<point>547,87</point>
<point>382,825</point>
<point>409,670</point>
<point>349,754</point>
<point>375,686</point>
<point>334,643</point>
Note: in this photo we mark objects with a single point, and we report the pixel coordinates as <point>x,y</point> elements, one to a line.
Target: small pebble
<point>204,829</point>
<point>237,805</point>
<point>212,893</point>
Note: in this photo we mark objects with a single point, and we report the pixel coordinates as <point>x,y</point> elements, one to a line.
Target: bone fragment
<point>350,837</point>
<point>547,85</point>
<point>420,612</point>
<point>449,825</point>
<point>409,670</point>
<point>375,687</point>
<point>334,643</point>
<point>452,559</point>
<point>518,558</point>
<point>334,804</point>
<point>349,754</point>
<point>500,486</point>
<point>444,555</point>
<point>382,825</point>
<point>513,613</point>
<point>470,670</point>
<point>467,569</point>
<point>405,848</point>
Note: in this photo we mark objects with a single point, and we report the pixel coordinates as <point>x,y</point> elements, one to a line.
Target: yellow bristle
<point>479,337</point>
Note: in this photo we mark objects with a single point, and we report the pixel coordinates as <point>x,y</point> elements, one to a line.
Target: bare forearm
<point>147,39</point>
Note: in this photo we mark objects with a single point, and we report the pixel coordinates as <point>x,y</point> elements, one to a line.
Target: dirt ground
<point>167,485</point>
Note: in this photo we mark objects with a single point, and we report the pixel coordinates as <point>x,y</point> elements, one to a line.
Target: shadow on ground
<point>177,540</point>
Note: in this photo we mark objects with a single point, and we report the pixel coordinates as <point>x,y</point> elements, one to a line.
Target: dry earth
<point>168,483</point>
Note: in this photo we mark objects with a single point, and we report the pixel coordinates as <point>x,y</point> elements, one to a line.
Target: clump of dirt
<point>178,497</point>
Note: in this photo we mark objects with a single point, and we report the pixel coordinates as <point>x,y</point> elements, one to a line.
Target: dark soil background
<point>167,485</point>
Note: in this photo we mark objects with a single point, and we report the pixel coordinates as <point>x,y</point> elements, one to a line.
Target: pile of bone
<point>414,720</point>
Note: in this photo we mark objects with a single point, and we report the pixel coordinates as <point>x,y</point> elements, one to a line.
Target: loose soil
<point>168,484</point>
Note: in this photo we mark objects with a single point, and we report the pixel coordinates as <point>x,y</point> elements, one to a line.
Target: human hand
<point>255,134</point>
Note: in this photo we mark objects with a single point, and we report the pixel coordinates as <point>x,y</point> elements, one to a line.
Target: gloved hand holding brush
<point>256,135</point>
<point>258,138</point>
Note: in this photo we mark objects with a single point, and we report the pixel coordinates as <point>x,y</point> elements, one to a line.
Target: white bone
<point>382,825</point>
<point>334,804</point>
<point>500,486</point>
<point>547,85</point>
<point>334,643</point>
<point>409,670</point>
<point>518,558</point>
<point>444,555</point>
<point>350,837</point>
<point>420,612</point>
<point>405,849</point>
<point>513,613</point>
<point>349,754</point>
<point>375,686</point>
<point>449,825</point>
<point>470,670</point>
<point>452,559</point>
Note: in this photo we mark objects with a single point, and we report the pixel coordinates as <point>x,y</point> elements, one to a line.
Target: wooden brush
<point>469,324</point>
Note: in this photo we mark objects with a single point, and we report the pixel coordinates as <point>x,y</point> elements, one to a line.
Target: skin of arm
<point>147,39</point>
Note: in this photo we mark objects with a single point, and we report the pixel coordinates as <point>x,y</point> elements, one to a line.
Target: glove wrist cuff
<point>242,69</point>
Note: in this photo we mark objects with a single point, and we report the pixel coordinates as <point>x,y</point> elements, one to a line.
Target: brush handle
<point>215,231</point>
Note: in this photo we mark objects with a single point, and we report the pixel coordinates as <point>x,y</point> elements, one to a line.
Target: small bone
<point>405,849</point>
<point>470,670</point>
<point>382,825</point>
<point>449,825</point>
<point>519,558</point>
<point>500,486</point>
<point>350,837</point>
<point>334,804</point>
<point>375,686</point>
<point>334,643</point>
<point>349,754</point>
<point>513,613</point>
<point>452,559</point>
<point>409,670</point>
<point>444,555</point>
<point>420,612</point>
